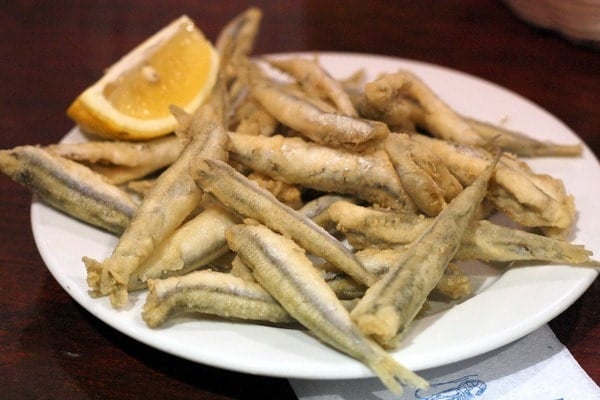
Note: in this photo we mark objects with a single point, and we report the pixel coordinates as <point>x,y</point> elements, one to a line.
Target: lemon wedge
<point>175,66</point>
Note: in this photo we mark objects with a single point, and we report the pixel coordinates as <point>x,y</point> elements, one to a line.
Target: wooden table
<point>51,50</point>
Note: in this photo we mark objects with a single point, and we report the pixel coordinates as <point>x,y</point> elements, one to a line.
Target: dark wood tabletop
<point>52,348</point>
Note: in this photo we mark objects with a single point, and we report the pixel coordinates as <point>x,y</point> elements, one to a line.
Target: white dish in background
<point>578,20</point>
<point>505,308</point>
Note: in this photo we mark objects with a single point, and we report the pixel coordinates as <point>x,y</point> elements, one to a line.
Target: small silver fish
<point>244,196</point>
<point>389,306</point>
<point>368,176</point>
<point>283,269</point>
<point>70,187</point>
<point>317,81</point>
<point>210,292</point>
<point>331,129</point>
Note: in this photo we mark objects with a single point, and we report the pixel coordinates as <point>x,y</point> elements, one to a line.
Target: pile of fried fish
<point>336,204</point>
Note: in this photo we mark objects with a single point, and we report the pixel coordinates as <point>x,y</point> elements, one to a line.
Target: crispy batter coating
<point>388,307</point>
<point>170,201</point>
<point>368,176</point>
<point>70,187</point>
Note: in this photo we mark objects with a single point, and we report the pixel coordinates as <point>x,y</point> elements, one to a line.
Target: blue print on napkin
<point>465,388</point>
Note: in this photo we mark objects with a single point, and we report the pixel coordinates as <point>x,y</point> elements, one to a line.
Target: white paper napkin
<point>536,367</point>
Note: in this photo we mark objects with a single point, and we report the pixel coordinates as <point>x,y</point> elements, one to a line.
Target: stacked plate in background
<point>578,20</point>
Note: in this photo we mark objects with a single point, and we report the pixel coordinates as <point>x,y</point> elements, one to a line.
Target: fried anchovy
<point>316,81</point>
<point>438,117</point>
<point>403,100</point>
<point>169,202</point>
<point>367,176</point>
<point>521,144</point>
<point>345,288</point>
<point>483,240</point>
<point>487,241</point>
<point>283,269</point>
<point>196,243</point>
<point>234,44</point>
<point>250,200</point>
<point>69,186</point>
<point>531,199</point>
<point>331,129</point>
<point>210,292</point>
<point>365,226</point>
<point>236,39</point>
<point>389,306</point>
<point>122,161</point>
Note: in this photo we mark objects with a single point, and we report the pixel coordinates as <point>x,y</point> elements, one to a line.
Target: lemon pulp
<point>175,66</point>
<point>163,79</point>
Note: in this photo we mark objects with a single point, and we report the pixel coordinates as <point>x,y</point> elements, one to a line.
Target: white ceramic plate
<point>505,307</point>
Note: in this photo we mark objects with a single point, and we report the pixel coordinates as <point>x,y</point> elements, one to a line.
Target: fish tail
<point>394,375</point>
<point>154,312</point>
<point>94,274</point>
<point>102,283</point>
<point>119,296</point>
